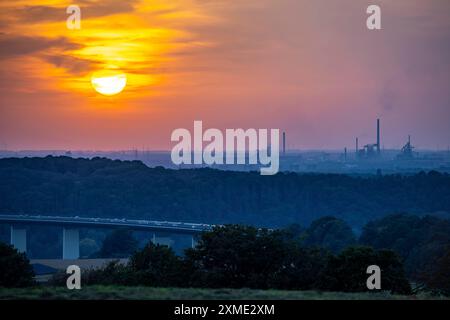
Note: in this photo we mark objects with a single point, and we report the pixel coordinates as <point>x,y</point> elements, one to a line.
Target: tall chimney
<point>357,148</point>
<point>378,136</point>
<point>284,143</point>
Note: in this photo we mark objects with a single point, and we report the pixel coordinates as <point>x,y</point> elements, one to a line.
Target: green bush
<point>347,271</point>
<point>420,241</point>
<point>15,268</point>
<point>237,256</point>
<point>301,269</point>
<point>329,233</point>
<point>113,273</point>
<point>156,265</point>
<point>437,279</point>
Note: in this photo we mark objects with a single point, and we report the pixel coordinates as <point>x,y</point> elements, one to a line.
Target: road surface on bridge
<point>84,222</point>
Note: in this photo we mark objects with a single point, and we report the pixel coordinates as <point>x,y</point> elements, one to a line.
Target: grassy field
<point>131,293</point>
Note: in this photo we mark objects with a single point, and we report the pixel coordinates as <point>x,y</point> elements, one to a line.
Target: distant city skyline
<point>310,68</point>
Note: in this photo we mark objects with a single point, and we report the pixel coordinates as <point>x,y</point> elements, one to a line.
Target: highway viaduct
<point>71,226</point>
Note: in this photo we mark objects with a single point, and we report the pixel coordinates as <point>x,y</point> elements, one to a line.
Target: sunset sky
<point>310,68</point>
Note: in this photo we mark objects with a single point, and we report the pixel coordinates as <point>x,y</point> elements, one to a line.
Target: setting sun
<point>108,84</point>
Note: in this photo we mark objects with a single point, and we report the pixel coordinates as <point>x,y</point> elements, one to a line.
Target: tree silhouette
<point>15,268</point>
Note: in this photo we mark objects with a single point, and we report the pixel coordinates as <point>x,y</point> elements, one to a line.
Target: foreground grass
<point>148,293</point>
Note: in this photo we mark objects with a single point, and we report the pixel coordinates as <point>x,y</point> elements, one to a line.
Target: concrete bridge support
<point>193,241</point>
<point>71,244</point>
<point>161,240</point>
<point>19,238</point>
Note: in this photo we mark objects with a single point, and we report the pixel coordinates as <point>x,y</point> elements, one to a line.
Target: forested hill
<point>105,188</point>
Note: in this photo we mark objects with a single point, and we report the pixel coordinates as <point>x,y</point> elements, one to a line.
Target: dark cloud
<point>92,9</point>
<point>13,45</point>
<point>31,14</point>
<point>89,9</point>
<point>71,64</point>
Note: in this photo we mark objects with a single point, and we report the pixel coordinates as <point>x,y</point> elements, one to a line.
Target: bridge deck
<point>82,222</point>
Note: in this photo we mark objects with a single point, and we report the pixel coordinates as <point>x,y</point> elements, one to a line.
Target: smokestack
<point>284,143</point>
<point>357,148</point>
<point>378,136</point>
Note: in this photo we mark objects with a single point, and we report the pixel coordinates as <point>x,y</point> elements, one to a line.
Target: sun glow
<point>107,83</point>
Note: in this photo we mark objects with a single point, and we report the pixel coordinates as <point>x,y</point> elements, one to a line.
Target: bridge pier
<point>165,241</point>
<point>193,241</point>
<point>19,238</point>
<point>71,244</point>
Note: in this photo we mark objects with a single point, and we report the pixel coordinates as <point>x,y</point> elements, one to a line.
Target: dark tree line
<point>236,256</point>
<point>105,188</point>
<point>315,257</point>
<point>422,242</point>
